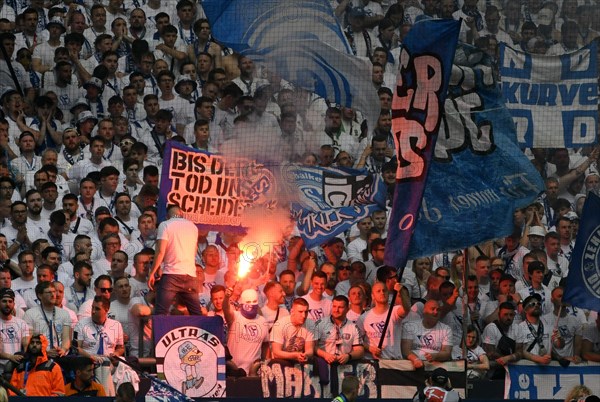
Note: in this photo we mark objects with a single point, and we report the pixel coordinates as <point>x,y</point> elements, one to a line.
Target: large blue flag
<point>479,175</point>
<point>302,42</point>
<point>244,25</point>
<point>425,67</point>
<point>583,282</point>
<point>329,201</point>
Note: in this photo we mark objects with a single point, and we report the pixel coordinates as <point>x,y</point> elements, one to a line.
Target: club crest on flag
<point>591,263</point>
<point>583,282</point>
<point>346,190</point>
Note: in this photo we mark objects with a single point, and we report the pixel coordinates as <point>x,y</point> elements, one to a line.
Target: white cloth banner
<point>552,99</point>
<point>528,380</point>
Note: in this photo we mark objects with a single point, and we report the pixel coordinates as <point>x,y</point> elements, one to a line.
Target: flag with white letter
<point>553,99</point>
<point>478,173</point>
<point>425,67</point>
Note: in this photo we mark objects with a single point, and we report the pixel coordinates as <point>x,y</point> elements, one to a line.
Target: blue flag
<point>244,25</point>
<point>301,41</point>
<point>425,67</point>
<point>583,282</point>
<point>330,201</point>
<point>478,174</point>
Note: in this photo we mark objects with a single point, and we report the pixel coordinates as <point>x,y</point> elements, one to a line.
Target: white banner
<point>553,99</point>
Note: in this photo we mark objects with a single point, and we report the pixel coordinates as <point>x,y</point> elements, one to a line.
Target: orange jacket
<point>44,379</point>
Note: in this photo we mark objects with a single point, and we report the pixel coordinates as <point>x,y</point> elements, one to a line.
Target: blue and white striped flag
<point>302,42</point>
<point>262,24</point>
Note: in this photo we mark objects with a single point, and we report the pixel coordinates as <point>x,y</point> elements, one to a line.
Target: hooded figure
<point>249,303</point>
<point>248,334</point>
<point>36,375</point>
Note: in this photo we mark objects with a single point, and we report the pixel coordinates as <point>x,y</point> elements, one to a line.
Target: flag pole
<point>555,328</point>
<point>465,300</point>
<point>391,307</point>
<point>162,384</point>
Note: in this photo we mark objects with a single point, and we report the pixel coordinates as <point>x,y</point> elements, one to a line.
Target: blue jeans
<point>171,286</point>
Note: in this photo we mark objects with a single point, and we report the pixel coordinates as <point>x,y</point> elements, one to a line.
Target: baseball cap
<point>529,299</point>
<point>535,266</point>
<point>572,216</point>
<point>439,376</point>
<point>7,292</point>
<point>86,115</point>
<point>95,81</point>
<point>537,231</point>
<point>183,78</point>
<point>80,102</point>
<point>57,21</point>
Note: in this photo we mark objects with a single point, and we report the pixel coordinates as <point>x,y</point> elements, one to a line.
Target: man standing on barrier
<point>176,247</point>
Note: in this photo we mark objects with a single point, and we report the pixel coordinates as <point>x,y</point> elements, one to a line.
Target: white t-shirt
<point>11,334</point>
<point>491,334</point>
<point>337,340</point>
<point>318,309</point>
<point>526,336</point>
<point>74,300</point>
<point>181,237</point>
<point>39,321</point>
<point>245,339</point>
<point>269,315</point>
<point>138,289</point>
<point>290,337</point>
<point>355,249</point>
<point>568,327</point>
<point>370,326</point>
<point>20,285</point>
<point>427,340</point>
<point>90,334</point>
<point>591,333</point>
<point>473,355</point>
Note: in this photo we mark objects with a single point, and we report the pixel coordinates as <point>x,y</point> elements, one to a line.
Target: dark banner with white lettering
<point>213,191</point>
<point>398,379</point>
<point>285,379</point>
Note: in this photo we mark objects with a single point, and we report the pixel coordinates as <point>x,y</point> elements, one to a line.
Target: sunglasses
<point>534,304</point>
<point>344,268</point>
<point>103,290</point>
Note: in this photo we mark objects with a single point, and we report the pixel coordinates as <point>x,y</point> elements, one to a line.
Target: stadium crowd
<point>92,90</point>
